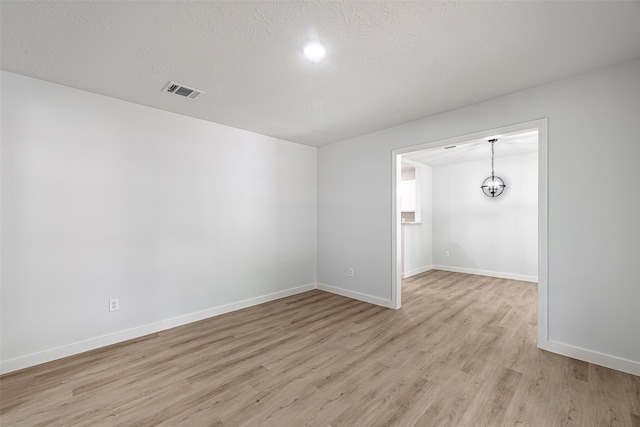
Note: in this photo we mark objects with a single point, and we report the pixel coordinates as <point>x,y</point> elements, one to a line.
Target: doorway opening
<point>464,249</point>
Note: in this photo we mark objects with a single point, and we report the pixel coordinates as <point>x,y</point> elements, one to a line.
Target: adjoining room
<point>449,224</point>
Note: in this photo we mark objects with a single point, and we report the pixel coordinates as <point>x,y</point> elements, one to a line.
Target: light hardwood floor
<point>461,352</point>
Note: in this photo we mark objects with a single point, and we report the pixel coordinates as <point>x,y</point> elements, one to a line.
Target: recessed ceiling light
<point>314,51</point>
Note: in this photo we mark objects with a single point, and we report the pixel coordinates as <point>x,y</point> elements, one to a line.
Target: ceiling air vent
<point>182,90</point>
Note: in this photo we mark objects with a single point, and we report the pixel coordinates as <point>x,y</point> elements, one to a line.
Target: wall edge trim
<point>498,274</point>
<point>608,361</point>
<point>387,303</point>
<point>75,348</point>
<point>417,271</point>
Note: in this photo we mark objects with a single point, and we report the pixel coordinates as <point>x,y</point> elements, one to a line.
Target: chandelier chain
<point>492,172</point>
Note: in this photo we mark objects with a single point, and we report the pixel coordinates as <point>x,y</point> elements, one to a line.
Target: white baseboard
<point>355,295</point>
<point>606,360</point>
<point>120,336</point>
<point>617,363</point>
<point>416,271</point>
<point>487,273</point>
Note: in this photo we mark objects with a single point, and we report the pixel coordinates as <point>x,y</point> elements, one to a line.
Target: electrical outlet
<point>114,304</point>
<point>446,253</point>
<point>351,273</point>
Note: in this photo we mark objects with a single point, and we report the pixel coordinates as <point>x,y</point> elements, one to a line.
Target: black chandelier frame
<point>493,186</point>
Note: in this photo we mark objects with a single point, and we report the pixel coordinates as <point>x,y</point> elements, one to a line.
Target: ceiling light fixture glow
<point>314,52</point>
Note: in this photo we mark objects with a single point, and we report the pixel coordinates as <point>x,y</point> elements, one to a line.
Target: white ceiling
<point>388,62</point>
<point>511,144</point>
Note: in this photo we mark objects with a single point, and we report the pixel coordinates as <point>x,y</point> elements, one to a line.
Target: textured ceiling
<point>388,62</point>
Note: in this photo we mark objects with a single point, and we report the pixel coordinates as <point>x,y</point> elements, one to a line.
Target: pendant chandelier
<point>493,186</point>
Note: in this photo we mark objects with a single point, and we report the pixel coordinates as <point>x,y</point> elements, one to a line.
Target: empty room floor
<point>461,352</point>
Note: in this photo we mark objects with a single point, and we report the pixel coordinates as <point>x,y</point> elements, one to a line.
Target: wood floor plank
<point>461,352</point>
<point>632,391</point>
<point>451,401</point>
<point>541,381</point>
<point>607,389</point>
<point>489,406</point>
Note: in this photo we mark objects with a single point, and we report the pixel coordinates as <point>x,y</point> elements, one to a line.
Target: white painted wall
<point>179,218</point>
<point>102,199</point>
<point>593,226</point>
<point>483,235</point>
<point>417,238</point>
